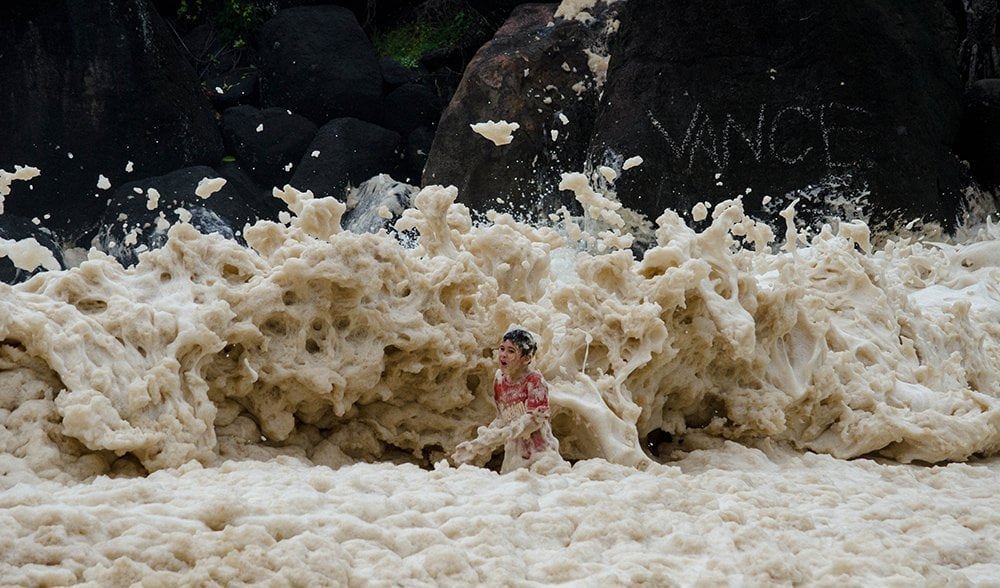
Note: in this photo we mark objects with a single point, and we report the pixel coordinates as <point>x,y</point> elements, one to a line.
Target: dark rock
<point>418,145</point>
<point>498,11</point>
<point>377,204</point>
<point>166,8</point>
<point>316,61</point>
<point>807,99</point>
<point>410,106</point>
<point>129,226</point>
<point>102,81</point>
<point>394,74</point>
<point>443,57</point>
<point>235,87</point>
<point>979,139</point>
<point>444,82</point>
<point>260,198</point>
<point>16,228</point>
<point>268,154</point>
<point>350,152</point>
<point>372,14</point>
<point>495,87</point>
<point>211,53</point>
<point>977,53</point>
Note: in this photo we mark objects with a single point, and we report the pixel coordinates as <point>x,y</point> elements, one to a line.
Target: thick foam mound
<point>334,347</point>
<point>727,516</point>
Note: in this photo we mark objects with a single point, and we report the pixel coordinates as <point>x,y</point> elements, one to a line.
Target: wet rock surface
<point>88,87</point>
<point>525,74</point>
<point>318,62</point>
<point>788,100</point>
<point>346,152</point>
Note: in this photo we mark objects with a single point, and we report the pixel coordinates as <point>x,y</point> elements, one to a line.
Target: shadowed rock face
<point>785,98</point>
<point>788,99</point>
<point>859,101</point>
<point>101,81</point>
<point>346,152</point>
<point>267,142</point>
<point>318,62</point>
<point>519,76</point>
<point>979,140</point>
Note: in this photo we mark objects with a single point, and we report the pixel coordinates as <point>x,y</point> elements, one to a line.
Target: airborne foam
<point>500,132</point>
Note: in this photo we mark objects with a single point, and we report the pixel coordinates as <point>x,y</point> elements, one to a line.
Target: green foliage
<point>234,19</point>
<point>409,42</point>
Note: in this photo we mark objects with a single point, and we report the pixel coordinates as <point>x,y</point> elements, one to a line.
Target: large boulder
<point>259,197</point>
<point>234,87</point>
<point>411,106</point>
<point>979,140</point>
<point>394,74</point>
<point>318,62</point>
<point>268,143</point>
<point>538,76</point>
<point>857,100</point>
<point>140,212</point>
<point>88,87</point>
<point>346,152</point>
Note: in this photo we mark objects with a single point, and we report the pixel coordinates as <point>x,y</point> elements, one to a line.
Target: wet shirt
<point>515,398</point>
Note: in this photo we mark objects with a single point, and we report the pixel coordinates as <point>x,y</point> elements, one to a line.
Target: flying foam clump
<point>500,132</point>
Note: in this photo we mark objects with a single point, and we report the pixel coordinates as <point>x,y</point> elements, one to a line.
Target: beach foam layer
<point>725,516</point>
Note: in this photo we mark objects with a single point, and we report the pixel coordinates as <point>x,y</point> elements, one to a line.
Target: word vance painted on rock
<point>821,134</point>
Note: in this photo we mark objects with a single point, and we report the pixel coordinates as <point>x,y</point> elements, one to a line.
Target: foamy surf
<point>221,414</point>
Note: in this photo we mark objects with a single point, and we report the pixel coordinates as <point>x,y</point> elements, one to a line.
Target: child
<point>522,400</point>
<point>520,389</point>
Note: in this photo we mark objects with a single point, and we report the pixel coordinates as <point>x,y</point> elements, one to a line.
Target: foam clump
<point>598,65</point>
<point>575,9</point>
<point>500,132</point>
<point>208,186</point>
<point>28,254</point>
<point>204,416</point>
<point>634,161</point>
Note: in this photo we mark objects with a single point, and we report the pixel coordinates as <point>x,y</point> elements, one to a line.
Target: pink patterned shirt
<point>513,399</point>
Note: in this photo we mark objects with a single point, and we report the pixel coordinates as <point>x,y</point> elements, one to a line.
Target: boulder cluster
<point>124,111</point>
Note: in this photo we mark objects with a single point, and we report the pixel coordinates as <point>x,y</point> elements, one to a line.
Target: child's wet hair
<point>521,339</point>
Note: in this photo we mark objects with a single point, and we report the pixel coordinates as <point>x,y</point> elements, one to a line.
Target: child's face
<point>512,361</point>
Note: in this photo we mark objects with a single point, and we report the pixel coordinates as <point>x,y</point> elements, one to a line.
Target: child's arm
<point>490,437</point>
<point>538,395</point>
